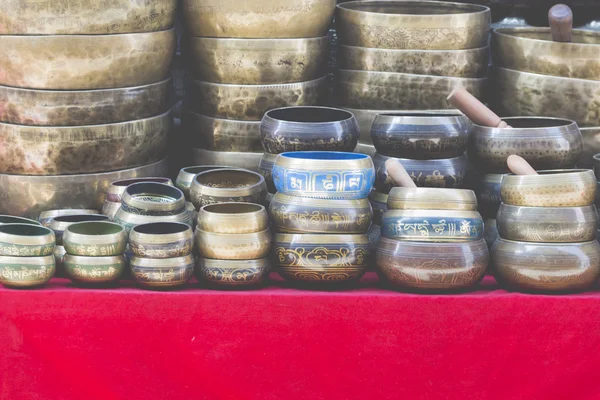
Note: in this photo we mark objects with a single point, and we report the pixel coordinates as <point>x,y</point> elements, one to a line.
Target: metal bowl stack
<point>84,99</point>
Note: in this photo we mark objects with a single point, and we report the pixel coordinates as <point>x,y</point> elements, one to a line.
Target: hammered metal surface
<point>217,134</point>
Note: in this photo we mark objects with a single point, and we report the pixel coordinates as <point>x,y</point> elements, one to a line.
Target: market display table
<point>64,342</point>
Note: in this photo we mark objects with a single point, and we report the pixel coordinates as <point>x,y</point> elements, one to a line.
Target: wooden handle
<point>519,166</point>
<point>475,110</point>
<point>398,174</point>
<point>560,18</point>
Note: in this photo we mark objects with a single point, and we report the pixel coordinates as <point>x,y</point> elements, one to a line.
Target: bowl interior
<point>95,228</point>
<point>9,219</point>
<point>153,192</point>
<point>81,218</point>
<point>201,168</point>
<point>24,230</point>
<point>421,115</point>
<point>309,114</point>
<point>233,208</point>
<point>408,8</point>
<point>161,228</point>
<point>587,37</point>
<point>228,178</point>
<point>537,122</point>
<point>324,155</point>
<point>127,182</point>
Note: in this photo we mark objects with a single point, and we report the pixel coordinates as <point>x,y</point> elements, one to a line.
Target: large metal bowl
<point>218,134</point>
<point>234,159</point>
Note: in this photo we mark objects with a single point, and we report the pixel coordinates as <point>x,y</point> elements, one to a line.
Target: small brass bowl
<point>401,198</point>
<point>432,225</point>
<point>488,195</point>
<point>92,270</point>
<point>129,220</point>
<point>186,176</point>
<point>546,267</point>
<point>26,240</point>
<point>548,224</point>
<point>60,223</point>
<point>556,188</point>
<point>425,266</point>
<point>294,214</point>
<point>233,273</point>
<point>379,204</point>
<point>217,134</point>
<point>265,168</point>
<point>324,259</point>
<point>95,239</point>
<point>153,199</point>
<point>26,272</point>
<point>228,186</point>
<point>227,159</point>
<point>490,232</point>
<point>117,188</point>
<point>165,273</point>
<point>161,240</point>
<point>233,218</point>
<point>9,219</point>
<point>46,217</point>
<point>233,246</point>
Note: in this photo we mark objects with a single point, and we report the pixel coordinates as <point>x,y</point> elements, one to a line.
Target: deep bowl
<point>228,186</point>
<point>379,204</point>
<point>164,273</point>
<point>161,240</point>
<point>402,198</point>
<point>216,134</point>
<point>265,168</point>
<point>233,273</point>
<point>60,223</point>
<point>26,272</point>
<point>94,270</point>
<point>488,195</point>
<point>9,219</point>
<point>233,246</point>
<point>153,199</point>
<point>95,239</point>
<point>233,218</point>
<point>26,240</point>
<point>186,176</point>
<point>231,159</point>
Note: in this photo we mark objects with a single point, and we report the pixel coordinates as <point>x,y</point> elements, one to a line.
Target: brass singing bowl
<point>9,219</point>
<point>26,272</point>
<point>60,223</point>
<point>402,198</point>
<point>186,176</point>
<point>488,195</point>
<point>232,273</point>
<point>430,25</point>
<point>26,240</point>
<point>556,188</point>
<point>257,61</point>
<point>469,63</point>
<point>151,198</point>
<point>95,239</point>
<point>546,267</point>
<point>533,50</point>
<point>94,270</point>
<point>32,17</point>
<point>83,107</point>
<point>233,246</point>
<point>233,218</point>
<point>117,188</point>
<point>228,186</point>
<point>265,168</point>
<point>216,134</point>
<point>591,146</point>
<point>164,273</point>
<point>46,217</point>
<point>130,220</point>
<point>39,150</point>
<point>392,90</point>
<point>258,19</point>
<point>227,159</point>
<point>250,102</point>
<point>161,240</point>
<point>379,205</point>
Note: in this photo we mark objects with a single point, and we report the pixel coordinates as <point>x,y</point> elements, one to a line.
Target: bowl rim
<point>116,229</point>
<point>261,180</point>
<point>83,91</point>
<point>347,156</point>
<point>405,51</point>
<point>477,9</point>
<point>35,230</point>
<point>89,36</point>
<point>510,32</point>
<point>257,209</point>
<point>348,115</point>
<point>312,82</point>
<point>180,227</point>
<point>567,124</point>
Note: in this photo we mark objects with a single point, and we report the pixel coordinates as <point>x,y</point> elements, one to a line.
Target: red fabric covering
<point>68,343</point>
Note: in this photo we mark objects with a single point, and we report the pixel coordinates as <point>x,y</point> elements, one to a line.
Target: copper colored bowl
<point>26,272</point>
<point>233,273</point>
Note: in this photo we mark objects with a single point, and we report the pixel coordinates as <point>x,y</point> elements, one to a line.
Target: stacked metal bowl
<point>84,99</point>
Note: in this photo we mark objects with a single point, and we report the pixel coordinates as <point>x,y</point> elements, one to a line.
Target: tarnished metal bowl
<point>490,232</point>
<point>591,146</point>
<point>232,273</point>
<point>94,270</point>
<point>233,246</point>
<point>26,240</point>
<point>112,203</point>
<point>95,239</point>
<point>167,273</point>
<point>161,240</point>
<point>257,61</point>
<point>403,198</point>
<point>26,272</point>
<point>218,134</point>
<point>379,205</point>
<point>151,198</point>
<point>228,159</point>
<point>488,195</point>
<point>186,176</point>
<point>60,223</point>
<point>259,18</point>
<point>228,186</point>
<point>430,25</point>
<point>265,168</point>
<point>233,218</point>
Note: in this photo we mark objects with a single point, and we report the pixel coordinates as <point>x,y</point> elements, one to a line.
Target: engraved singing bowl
<point>186,176</point>
<point>45,217</point>
<point>556,188</point>
<point>32,17</point>
<point>233,246</point>
<point>420,136</point>
<point>232,273</point>
<point>26,240</point>
<point>83,107</point>
<point>488,195</point>
<point>228,186</point>
<point>403,198</point>
<point>60,223</point>
<point>308,129</point>
<point>591,146</point>
<point>293,214</point>
<point>533,50</point>
<point>321,258</point>
<point>379,205</point>
<point>130,220</point>
<point>257,61</point>
<point>469,63</point>
<point>112,203</point>
<point>258,19</point>
<point>233,218</point>
<point>26,272</point>
<point>161,240</point>
<point>86,62</point>
<point>95,239</point>
<point>250,102</point>
<point>324,174</point>
<point>218,134</point>
<point>442,173</point>
<point>167,273</point>
<point>548,224</point>
<point>39,150</point>
<point>9,219</point>
<point>432,267</point>
<point>546,267</point>
<point>227,159</point>
<point>265,168</point>
<point>94,270</point>
<point>490,232</point>
<point>546,143</point>
<point>397,91</point>
<point>429,25</point>
<point>151,198</point>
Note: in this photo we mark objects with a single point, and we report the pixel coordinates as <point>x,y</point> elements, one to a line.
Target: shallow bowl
<point>227,159</point>
<point>402,198</point>
<point>153,199</point>
<point>228,186</point>
<point>26,240</point>
<point>94,270</point>
<point>165,273</point>
<point>216,134</point>
<point>26,272</point>
<point>161,240</point>
<point>95,239</point>
<point>233,246</point>
<point>233,218</point>
<point>233,273</point>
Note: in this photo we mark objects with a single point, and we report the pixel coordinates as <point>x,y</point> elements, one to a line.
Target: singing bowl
<point>546,143</point>
<point>396,91</point>
<point>95,239</point>
<point>402,198</point>
<point>591,146</point>
<point>469,63</point>
<point>233,273</point>
<point>233,246</point>
<point>442,173</point>
<point>488,195</point>
<point>129,220</point>
<point>117,188</point>
<point>425,266</point>
<point>227,159</point>
<point>32,17</point>
<point>233,218</point>
<point>37,150</point>
<point>45,217</point>
<point>83,107</point>
<point>265,168</point>
<point>420,136</point>
<point>556,188</point>
<point>9,219</point>
<point>164,273</point>
<point>293,214</point>
<point>60,223</point>
<point>324,174</point>
<point>379,205</point>
<point>546,267</point>
<point>257,61</point>
<point>250,102</point>
<point>258,19</point>
<point>533,50</point>
<point>490,232</point>
<point>308,129</point>
<point>161,240</point>
<point>217,134</point>
<point>228,186</point>
<point>94,270</point>
<point>186,176</point>
<point>26,240</point>
<point>151,198</point>
<point>26,272</point>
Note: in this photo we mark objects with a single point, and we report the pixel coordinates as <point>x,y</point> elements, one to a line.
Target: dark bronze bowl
<point>488,195</point>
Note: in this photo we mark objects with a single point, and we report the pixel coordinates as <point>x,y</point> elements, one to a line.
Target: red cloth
<point>68,343</point>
